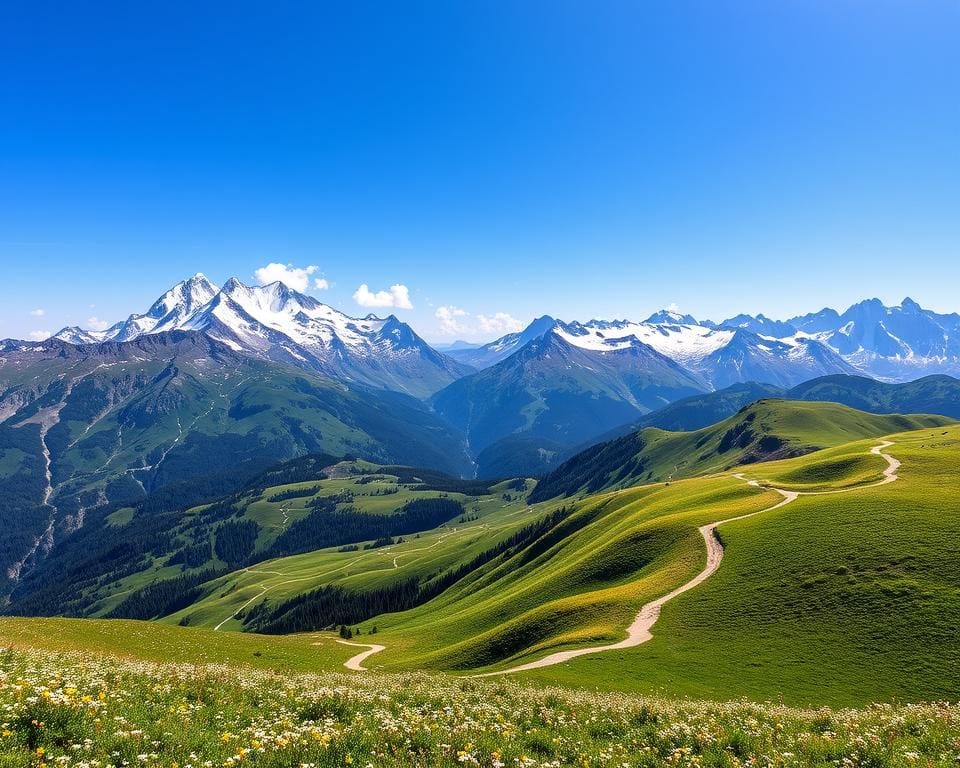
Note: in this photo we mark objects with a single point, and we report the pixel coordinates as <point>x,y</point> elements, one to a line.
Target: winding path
<point>639,631</point>
<point>356,662</point>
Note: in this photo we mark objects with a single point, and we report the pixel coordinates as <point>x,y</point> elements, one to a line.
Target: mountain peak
<point>670,317</point>
<point>910,305</point>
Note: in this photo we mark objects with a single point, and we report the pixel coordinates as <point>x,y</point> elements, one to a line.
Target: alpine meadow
<point>359,404</point>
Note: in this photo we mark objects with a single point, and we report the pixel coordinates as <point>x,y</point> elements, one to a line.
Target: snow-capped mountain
<point>716,356</point>
<point>168,313</point>
<point>761,325</point>
<point>278,323</point>
<point>490,354</point>
<point>669,317</point>
<point>557,392</point>
<point>899,343</point>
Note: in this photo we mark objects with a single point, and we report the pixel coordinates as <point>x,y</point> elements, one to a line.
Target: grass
<point>841,599</point>
<point>583,585</point>
<point>150,641</point>
<point>492,519</point>
<point>94,709</point>
<point>381,496</point>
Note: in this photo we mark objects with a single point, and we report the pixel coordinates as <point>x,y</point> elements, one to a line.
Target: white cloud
<point>673,307</point>
<point>397,296</point>
<point>39,335</point>
<point>96,324</point>
<point>297,278</point>
<point>450,320</point>
<point>499,322</point>
<point>454,321</point>
<point>38,312</point>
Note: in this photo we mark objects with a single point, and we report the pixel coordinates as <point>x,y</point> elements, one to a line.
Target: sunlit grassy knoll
<point>584,584</point>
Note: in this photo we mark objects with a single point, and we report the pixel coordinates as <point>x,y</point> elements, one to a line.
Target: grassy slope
<point>583,585</point>
<point>149,641</point>
<point>94,709</point>
<point>832,599</point>
<point>282,578</point>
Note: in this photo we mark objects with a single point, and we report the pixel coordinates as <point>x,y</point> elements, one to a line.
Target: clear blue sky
<point>572,158</point>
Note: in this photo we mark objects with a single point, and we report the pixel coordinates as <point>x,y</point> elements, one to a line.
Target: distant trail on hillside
<point>639,631</point>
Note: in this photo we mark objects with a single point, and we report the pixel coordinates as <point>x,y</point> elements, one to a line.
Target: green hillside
<point>762,431</point>
<point>838,598</point>
<point>930,394</point>
<point>147,559</point>
<point>834,598</point>
<point>456,576</point>
<point>244,599</point>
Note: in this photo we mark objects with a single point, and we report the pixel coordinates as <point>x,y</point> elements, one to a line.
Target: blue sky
<point>572,158</point>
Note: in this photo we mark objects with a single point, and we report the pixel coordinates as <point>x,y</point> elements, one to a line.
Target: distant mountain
<point>669,317</point>
<point>750,357</point>
<point>719,356</point>
<point>760,325</point>
<point>168,313</point>
<point>899,343</point>
<point>274,322</point>
<point>762,431</point>
<point>458,345</point>
<point>932,394</point>
<point>86,426</point>
<point>560,392</point>
<point>702,410</point>
<point>490,354</point>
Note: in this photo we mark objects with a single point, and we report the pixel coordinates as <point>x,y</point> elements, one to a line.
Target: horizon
<point>441,342</point>
<point>495,164</point>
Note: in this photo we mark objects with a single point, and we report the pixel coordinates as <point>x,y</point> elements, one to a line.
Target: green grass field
<point>488,519</point>
<point>845,597</point>
<point>374,494</point>
<point>150,641</point>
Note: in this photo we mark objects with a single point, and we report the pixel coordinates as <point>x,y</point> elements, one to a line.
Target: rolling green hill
<point>839,598</point>
<point>932,394</point>
<point>455,576</point>
<point>833,598</point>
<point>762,431</point>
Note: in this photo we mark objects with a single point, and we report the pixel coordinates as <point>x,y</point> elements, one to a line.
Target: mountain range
<point>525,400</point>
<point>275,322</point>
